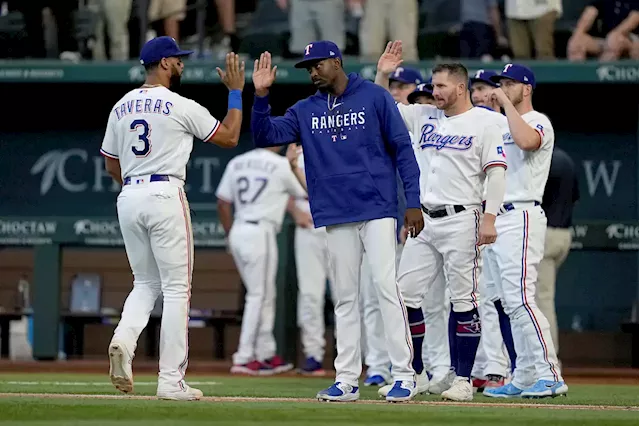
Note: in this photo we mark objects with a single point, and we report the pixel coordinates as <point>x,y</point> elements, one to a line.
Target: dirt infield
<point>374,402</point>
<point>620,376</point>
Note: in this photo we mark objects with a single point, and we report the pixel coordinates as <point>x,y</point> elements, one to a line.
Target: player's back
<point>259,184</point>
<point>151,130</point>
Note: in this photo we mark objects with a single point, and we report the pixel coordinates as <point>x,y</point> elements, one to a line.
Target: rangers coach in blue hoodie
<point>353,139</point>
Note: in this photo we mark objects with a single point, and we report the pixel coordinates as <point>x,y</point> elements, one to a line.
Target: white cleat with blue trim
<point>339,392</point>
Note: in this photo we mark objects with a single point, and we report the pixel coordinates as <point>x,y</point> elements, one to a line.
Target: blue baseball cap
<point>484,76</point>
<point>516,72</point>
<point>161,47</point>
<point>423,89</point>
<point>318,51</point>
<point>406,75</point>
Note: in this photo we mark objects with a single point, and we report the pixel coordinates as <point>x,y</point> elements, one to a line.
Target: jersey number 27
<point>144,149</point>
<point>245,186</point>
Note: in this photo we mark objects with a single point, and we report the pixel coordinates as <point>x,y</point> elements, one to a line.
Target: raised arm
<point>267,130</point>
<point>389,61</point>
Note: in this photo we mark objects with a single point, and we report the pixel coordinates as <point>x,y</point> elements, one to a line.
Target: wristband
<point>235,99</point>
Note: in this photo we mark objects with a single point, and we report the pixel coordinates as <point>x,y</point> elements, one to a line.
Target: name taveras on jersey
<point>143,106</point>
<point>432,139</point>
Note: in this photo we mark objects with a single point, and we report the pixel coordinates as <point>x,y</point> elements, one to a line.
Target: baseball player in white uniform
<point>257,185</point>
<point>521,225</point>
<point>492,365</point>
<point>435,350</point>
<point>312,269</point>
<point>460,146</point>
<point>147,144</point>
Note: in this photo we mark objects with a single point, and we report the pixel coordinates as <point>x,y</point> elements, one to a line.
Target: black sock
<point>467,340</point>
<point>507,336</point>
<point>416,325</point>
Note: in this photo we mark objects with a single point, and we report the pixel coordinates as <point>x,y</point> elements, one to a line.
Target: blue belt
<point>153,178</point>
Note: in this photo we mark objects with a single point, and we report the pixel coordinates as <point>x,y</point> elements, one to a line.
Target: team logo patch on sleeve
<point>501,152</point>
<point>540,129</point>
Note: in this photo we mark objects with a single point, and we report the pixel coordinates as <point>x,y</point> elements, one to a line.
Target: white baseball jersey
<point>259,184</point>
<point>453,152</point>
<point>303,202</point>
<point>528,170</point>
<point>151,129</point>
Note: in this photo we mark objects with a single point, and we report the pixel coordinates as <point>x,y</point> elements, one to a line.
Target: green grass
<point>33,411</point>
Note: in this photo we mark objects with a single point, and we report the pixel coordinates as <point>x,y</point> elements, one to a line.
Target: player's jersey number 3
<point>143,129</point>
<point>249,189</point>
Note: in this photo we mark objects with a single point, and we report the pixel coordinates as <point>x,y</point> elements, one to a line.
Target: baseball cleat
<point>436,387</point>
<point>422,385</point>
<point>252,368</point>
<point>277,366</point>
<point>120,370</point>
<point>545,388</point>
<point>461,390</point>
<point>184,393</point>
<point>402,390</point>
<point>375,380</point>
<point>492,381</point>
<point>312,368</point>
<point>384,390</point>
<point>506,391</point>
<point>339,392</point>
<point>422,382</point>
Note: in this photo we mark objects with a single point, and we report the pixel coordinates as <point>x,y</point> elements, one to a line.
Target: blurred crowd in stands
<point>77,30</point>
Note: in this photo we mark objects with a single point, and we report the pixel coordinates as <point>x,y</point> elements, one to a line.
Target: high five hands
<point>263,74</point>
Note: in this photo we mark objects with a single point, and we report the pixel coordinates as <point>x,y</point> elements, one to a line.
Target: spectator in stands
<point>616,37</point>
<point>481,29</point>
<point>227,18</point>
<point>560,194</point>
<point>307,16</point>
<point>170,12</point>
<point>62,10</point>
<point>114,15</point>
<point>532,24</point>
<point>386,20</point>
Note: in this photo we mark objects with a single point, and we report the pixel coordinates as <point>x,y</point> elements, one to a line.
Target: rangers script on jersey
<point>151,129</point>
<point>258,184</point>
<point>528,170</point>
<point>454,152</point>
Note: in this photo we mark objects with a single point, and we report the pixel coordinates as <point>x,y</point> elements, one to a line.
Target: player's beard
<point>516,98</point>
<point>175,80</point>
<point>449,101</point>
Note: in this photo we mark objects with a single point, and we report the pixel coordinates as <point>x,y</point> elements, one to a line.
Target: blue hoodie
<point>352,146</point>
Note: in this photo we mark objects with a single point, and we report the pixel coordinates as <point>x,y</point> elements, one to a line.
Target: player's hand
<point>282,4</point>
<point>487,233</point>
<point>263,74</point>
<point>303,219</point>
<point>498,95</point>
<point>293,153</point>
<point>233,75</point>
<point>413,221</point>
<point>391,58</point>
